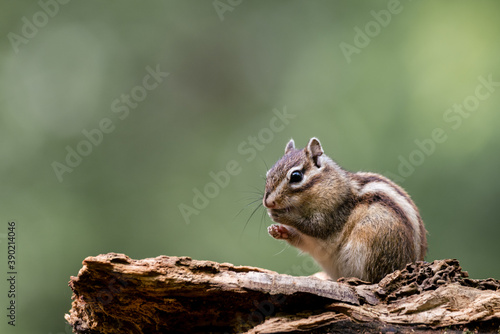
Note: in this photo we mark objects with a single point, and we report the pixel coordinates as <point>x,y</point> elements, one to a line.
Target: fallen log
<point>115,294</point>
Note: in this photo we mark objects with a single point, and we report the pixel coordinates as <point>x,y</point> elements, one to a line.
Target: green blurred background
<point>229,68</point>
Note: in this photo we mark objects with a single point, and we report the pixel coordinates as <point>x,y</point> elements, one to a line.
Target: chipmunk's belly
<point>323,253</point>
<point>330,268</point>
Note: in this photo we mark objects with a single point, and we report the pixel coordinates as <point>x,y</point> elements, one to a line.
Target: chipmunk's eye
<point>296,176</point>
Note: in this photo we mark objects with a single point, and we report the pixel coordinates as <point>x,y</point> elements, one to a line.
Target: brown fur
<point>353,224</point>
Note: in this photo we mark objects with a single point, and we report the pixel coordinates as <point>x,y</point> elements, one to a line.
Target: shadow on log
<point>115,294</point>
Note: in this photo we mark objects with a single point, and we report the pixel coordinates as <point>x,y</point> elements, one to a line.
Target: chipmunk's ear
<point>314,150</point>
<point>290,146</point>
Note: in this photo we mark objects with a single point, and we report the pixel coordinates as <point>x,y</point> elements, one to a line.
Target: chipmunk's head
<point>301,184</point>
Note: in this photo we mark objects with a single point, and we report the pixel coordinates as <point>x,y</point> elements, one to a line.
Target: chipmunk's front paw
<point>278,231</point>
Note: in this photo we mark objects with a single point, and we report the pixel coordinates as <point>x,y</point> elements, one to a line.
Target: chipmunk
<point>353,224</point>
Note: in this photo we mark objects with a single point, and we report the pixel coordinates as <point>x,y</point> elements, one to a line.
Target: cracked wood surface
<point>115,294</point>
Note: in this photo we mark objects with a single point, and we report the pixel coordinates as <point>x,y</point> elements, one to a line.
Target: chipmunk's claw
<point>278,231</point>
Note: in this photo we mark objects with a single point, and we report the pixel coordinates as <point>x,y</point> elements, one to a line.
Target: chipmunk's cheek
<point>295,202</point>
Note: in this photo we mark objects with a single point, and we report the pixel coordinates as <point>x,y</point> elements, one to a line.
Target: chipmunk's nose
<point>269,202</point>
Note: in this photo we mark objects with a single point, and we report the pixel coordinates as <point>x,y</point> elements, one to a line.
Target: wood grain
<point>115,294</point>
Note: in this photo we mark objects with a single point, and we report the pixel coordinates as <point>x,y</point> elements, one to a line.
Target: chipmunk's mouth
<point>277,214</point>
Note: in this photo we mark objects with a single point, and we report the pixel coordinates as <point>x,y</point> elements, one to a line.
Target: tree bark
<point>115,294</point>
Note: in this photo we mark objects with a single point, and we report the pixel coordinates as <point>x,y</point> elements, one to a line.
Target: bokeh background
<point>232,67</point>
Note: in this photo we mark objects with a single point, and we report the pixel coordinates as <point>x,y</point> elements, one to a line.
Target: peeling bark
<point>115,294</point>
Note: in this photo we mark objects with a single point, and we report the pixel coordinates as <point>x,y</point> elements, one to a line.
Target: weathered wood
<point>115,294</point>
